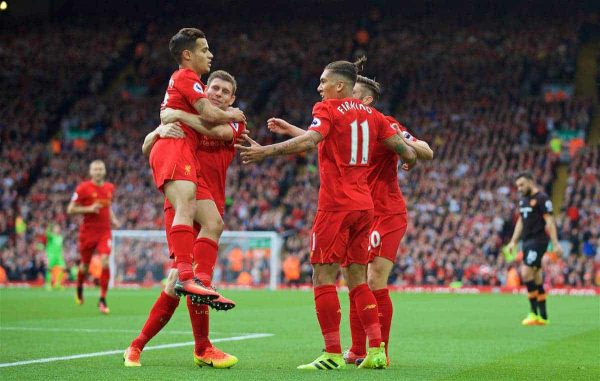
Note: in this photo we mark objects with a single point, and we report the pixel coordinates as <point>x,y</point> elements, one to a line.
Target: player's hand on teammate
<point>169,115</point>
<point>252,153</point>
<point>278,126</point>
<point>95,207</point>
<point>170,130</point>
<point>408,166</point>
<point>236,114</point>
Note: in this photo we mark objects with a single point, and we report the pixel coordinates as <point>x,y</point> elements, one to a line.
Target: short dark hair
<point>347,69</point>
<point>371,85</point>
<point>223,75</point>
<point>525,174</point>
<point>185,39</point>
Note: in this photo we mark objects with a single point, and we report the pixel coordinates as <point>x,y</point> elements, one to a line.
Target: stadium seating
<point>474,93</point>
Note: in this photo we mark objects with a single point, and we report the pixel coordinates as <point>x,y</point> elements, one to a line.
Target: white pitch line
<point>117,351</point>
<point>93,330</point>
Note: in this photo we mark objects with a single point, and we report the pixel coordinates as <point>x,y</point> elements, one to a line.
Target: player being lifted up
<point>217,148</point>
<point>174,166</point>
<point>93,199</point>
<point>535,220</point>
<point>346,132</point>
<point>390,220</point>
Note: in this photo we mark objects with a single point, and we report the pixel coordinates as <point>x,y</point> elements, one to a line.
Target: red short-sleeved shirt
<point>350,131</point>
<point>86,194</point>
<point>383,178</point>
<point>185,88</point>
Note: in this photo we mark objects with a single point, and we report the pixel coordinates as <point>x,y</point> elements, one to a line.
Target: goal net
<point>245,258</point>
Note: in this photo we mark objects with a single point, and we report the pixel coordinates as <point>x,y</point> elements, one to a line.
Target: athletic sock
<point>205,257</point>
<point>359,337</point>
<point>386,310</point>
<point>200,325</point>
<point>366,305</point>
<point>329,314</point>
<point>532,294</point>
<point>182,239</point>
<point>104,279</point>
<point>159,316</point>
<point>541,301</point>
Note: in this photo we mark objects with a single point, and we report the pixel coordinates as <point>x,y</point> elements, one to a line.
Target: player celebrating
<point>93,199</point>
<point>535,218</point>
<point>390,220</point>
<point>217,146</point>
<point>347,131</point>
<point>174,166</point>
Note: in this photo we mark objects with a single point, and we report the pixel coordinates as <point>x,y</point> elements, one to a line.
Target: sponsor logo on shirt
<point>188,169</point>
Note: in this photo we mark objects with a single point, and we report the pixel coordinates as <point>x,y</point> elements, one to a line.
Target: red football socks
<point>205,257</point>
<point>359,337</point>
<point>104,278</point>
<point>200,319</point>
<point>160,314</point>
<point>182,239</point>
<point>366,306</point>
<point>329,315</point>
<point>386,310</point>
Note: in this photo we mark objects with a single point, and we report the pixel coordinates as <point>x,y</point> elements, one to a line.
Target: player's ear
<point>186,55</point>
<point>232,100</point>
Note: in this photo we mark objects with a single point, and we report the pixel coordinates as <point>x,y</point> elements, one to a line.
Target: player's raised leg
<point>206,248</point>
<point>182,195</point>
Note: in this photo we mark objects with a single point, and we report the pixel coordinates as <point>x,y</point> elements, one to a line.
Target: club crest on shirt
<point>533,202</point>
<point>188,169</point>
<point>316,122</point>
<point>198,88</point>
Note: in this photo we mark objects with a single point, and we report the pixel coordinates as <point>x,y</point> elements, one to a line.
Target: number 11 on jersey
<point>364,127</point>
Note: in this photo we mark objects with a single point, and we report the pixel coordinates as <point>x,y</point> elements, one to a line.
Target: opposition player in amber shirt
<point>173,162</point>
<point>93,199</point>
<point>216,148</point>
<point>345,131</point>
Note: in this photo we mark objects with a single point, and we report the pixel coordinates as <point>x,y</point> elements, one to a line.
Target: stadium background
<point>495,87</point>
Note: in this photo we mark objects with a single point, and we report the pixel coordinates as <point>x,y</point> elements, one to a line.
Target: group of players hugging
<point>360,221</point>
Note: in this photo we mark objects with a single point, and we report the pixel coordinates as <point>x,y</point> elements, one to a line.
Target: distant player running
<point>93,199</point>
<point>217,148</point>
<point>535,220</point>
<point>345,131</point>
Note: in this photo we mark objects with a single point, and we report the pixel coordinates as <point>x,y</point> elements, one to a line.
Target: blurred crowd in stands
<point>472,90</point>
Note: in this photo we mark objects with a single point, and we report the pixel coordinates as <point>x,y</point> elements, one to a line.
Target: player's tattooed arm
<point>220,131</point>
<point>399,145</point>
<point>280,126</point>
<point>215,115</point>
<point>255,152</point>
<point>170,130</point>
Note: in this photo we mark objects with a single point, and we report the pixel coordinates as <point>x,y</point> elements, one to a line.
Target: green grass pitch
<point>434,337</point>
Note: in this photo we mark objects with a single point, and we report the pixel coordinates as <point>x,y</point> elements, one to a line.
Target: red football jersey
<point>217,155</point>
<point>185,88</point>
<point>88,193</point>
<point>350,131</point>
<point>383,178</point>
